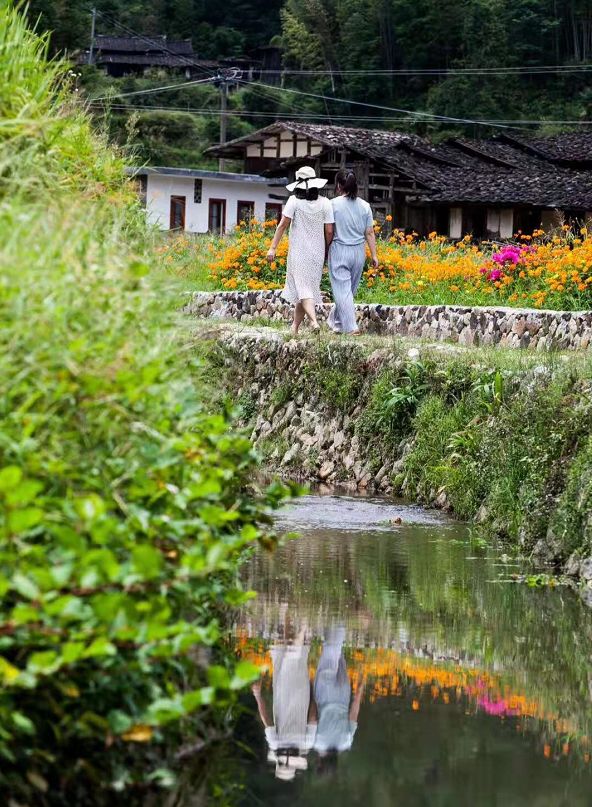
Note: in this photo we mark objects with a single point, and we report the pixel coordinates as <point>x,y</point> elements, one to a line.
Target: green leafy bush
<point>124,505</point>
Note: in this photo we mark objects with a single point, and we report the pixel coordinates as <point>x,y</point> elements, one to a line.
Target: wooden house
<point>486,188</point>
<point>124,55</point>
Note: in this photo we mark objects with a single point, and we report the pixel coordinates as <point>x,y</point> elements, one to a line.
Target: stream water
<point>436,679</point>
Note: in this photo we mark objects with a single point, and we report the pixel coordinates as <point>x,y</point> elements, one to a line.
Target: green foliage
<point>509,445</point>
<point>124,507</point>
<point>333,373</point>
<point>571,523</point>
<point>349,38</point>
<point>216,30</point>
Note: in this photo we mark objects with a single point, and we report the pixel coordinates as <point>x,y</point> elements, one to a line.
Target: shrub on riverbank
<point>540,271</point>
<point>123,504</point>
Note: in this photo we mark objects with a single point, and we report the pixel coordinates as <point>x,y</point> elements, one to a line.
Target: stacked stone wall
<point>507,327</point>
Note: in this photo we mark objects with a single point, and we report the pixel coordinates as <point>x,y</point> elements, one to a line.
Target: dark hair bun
<point>347,182</point>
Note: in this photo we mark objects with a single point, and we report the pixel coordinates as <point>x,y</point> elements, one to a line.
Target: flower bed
<point>539,270</point>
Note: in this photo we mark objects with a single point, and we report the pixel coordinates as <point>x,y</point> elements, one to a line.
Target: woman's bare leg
<point>309,308</point>
<point>298,317</point>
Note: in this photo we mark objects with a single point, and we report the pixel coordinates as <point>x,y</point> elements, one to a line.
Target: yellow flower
<point>138,734</point>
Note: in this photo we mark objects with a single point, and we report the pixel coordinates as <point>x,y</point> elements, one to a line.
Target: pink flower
<point>509,254</point>
<point>495,708</point>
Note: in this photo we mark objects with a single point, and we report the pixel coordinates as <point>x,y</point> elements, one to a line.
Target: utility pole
<point>223,81</point>
<point>92,35</point>
<point>223,118</point>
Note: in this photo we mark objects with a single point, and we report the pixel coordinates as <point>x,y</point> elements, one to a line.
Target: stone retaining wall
<point>289,393</point>
<point>509,327</point>
<point>305,436</point>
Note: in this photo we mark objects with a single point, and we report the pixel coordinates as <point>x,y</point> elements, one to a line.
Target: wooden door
<point>217,216</point>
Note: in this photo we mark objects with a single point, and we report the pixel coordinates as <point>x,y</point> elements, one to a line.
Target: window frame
<point>278,207</point>
<point>251,204</point>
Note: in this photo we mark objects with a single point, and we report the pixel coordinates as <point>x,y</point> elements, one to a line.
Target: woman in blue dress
<point>353,229</point>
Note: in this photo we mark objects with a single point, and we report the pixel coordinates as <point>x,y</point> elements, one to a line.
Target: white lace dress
<point>306,253</point>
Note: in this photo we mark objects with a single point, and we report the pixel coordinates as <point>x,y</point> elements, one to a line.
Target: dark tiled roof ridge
<point>157,42</point>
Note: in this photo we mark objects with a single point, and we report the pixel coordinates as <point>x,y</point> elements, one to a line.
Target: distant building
<point>487,188</point>
<point>122,55</point>
<point>199,201</point>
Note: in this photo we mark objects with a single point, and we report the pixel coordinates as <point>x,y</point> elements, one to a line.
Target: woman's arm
<point>280,230</point>
<point>355,707</point>
<point>313,715</point>
<point>329,229</point>
<point>371,241</point>
<point>256,690</point>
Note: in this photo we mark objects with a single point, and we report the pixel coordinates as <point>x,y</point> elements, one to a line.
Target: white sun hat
<point>306,178</point>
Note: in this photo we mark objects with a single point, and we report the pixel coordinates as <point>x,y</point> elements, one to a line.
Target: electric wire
<point>449,71</point>
<point>427,116</point>
<point>292,115</point>
<point>179,85</point>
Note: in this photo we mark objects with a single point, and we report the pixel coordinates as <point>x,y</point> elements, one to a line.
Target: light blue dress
<point>347,256</point>
<point>332,693</point>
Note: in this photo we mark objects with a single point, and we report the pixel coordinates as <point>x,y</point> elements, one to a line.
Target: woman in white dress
<point>291,733</point>
<point>310,218</point>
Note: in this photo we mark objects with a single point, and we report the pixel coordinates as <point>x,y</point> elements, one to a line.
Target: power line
<point>451,71</point>
<point>322,116</point>
<point>246,113</point>
<point>178,85</point>
<point>426,116</point>
<point>259,94</point>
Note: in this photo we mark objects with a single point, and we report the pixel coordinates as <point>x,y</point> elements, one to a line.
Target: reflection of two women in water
<point>323,718</point>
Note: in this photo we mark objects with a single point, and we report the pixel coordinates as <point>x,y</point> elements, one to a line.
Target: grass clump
<point>333,373</point>
<point>123,503</point>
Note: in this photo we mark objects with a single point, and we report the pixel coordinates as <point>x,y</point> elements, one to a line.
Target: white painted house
<point>200,201</point>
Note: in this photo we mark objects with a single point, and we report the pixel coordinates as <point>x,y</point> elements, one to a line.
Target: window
<point>217,216</point>
<point>197,188</point>
<point>177,218</point>
<point>245,211</point>
<point>273,211</point>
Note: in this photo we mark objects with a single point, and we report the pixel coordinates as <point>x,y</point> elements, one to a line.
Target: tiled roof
<point>153,59</point>
<point>569,147</point>
<point>508,170</point>
<point>142,44</point>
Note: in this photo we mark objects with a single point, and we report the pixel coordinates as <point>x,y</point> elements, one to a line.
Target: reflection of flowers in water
<point>390,673</point>
<point>498,708</point>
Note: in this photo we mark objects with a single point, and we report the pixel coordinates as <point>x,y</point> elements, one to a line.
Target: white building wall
<point>161,187</point>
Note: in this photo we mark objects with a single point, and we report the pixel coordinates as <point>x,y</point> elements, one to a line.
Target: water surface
<point>438,681</point>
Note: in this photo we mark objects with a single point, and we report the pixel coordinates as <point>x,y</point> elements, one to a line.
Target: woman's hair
<point>307,193</point>
<point>347,182</point>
